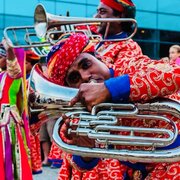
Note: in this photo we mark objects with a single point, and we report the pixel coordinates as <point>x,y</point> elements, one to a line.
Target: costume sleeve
<point>77,162</point>
<point>13,68</point>
<point>156,79</point>
<point>148,78</point>
<point>85,165</point>
<point>119,88</point>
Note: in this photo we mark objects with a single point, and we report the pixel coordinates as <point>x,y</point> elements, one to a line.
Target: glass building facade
<point>158,20</point>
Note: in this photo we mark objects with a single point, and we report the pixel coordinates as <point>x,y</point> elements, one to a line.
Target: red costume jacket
<point>148,79</point>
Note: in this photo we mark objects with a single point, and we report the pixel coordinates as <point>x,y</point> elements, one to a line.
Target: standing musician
<point>135,78</point>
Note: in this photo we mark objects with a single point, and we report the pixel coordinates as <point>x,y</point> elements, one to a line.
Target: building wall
<point>158,20</point>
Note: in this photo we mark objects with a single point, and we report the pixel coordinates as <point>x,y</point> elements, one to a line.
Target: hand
<point>74,139</point>
<point>91,94</point>
<point>7,44</point>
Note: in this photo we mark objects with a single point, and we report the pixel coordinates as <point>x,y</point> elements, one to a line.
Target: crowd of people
<point>120,72</point>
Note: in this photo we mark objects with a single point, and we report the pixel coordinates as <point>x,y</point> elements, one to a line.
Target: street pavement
<point>47,174</point>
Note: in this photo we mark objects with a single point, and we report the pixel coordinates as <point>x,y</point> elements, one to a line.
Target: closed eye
<point>85,63</point>
<point>73,77</point>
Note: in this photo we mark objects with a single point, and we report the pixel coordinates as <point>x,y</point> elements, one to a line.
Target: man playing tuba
<point>133,79</point>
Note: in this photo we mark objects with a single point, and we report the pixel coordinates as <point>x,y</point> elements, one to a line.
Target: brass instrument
<point>103,120</point>
<point>45,21</point>
<point>47,25</point>
<point>25,37</point>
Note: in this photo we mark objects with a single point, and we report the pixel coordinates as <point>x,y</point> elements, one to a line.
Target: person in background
<point>36,165</point>
<point>46,131</point>
<point>31,60</point>
<point>14,134</point>
<point>2,58</point>
<point>174,54</point>
<point>71,63</point>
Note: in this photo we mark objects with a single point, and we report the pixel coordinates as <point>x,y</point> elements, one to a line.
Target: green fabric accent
<point>13,90</point>
<point>17,152</point>
<point>13,139</point>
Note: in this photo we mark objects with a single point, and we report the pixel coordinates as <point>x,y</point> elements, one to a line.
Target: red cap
<point>31,56</point>
<point>118,5</point>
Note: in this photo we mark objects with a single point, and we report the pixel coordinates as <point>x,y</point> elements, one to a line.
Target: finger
<point>64,135</point>
<point>69,141</point>
<point>64,117</point>
<point>74,100</point>
<point>89,108</point>
<point>64,132</point>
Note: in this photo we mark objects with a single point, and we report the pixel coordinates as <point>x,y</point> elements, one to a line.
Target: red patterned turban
<point>121,5</point>
<point>64,53</point>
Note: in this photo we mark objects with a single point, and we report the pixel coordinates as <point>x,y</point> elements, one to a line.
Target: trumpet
<point>46,26</point>
<point>103,120</point>
<point>45,21</point>
<point>25,37</point>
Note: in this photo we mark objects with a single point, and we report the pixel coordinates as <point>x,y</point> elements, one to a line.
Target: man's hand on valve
<point>73,138</point>
<point>91,94</point>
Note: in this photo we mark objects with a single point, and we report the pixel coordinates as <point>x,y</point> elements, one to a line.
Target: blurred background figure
<point>14,134</point>
<point>174,53</point>
<point>46,131</point>
<point>31,60</point>
<point>2,59</point>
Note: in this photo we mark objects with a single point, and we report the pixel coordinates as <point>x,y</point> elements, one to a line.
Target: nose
<point>85,76</point>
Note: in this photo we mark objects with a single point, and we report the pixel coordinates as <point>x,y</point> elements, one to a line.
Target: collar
<point>120,35</point>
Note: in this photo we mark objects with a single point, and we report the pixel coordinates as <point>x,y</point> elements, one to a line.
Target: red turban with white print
<point>121,5</point>
<point>64,53</point>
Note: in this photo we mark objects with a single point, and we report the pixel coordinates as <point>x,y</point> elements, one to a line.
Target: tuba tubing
<point>155,155</point>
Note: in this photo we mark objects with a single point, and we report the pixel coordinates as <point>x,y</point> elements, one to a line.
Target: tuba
<point>102,123</point>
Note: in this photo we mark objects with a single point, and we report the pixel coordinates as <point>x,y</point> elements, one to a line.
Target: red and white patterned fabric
<point>67,50</point>
<point>35,149</point>
<point>148,78</point>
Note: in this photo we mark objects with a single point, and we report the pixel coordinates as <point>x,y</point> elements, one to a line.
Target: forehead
<point>173,49</point>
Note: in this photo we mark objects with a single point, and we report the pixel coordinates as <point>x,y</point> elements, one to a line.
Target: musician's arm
<point>13,67</point>
<point>115,85</point>
<point>125,86</point>
<point>85,164</point>
<point>152,78</point>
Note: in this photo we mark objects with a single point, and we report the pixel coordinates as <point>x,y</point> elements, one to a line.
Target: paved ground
<point>47,174</point>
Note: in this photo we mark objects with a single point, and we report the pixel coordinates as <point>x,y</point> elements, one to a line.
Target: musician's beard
<point>112,30</point>
<point>102,28</point>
